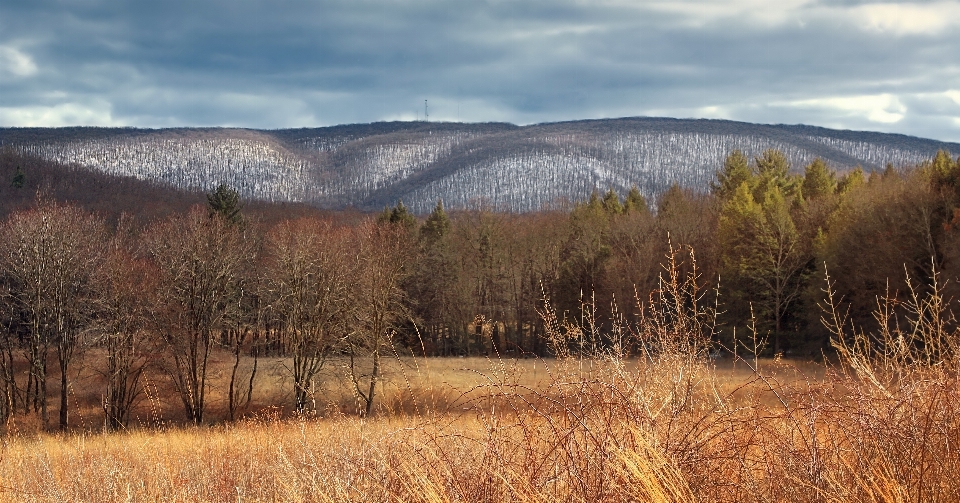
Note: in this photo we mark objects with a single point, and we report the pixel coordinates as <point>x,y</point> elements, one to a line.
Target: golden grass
<point>881,425</point>
<point>300,460</point>
<point>537,430</point>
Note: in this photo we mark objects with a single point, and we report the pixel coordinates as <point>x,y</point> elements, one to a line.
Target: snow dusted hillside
<point>498,166</point>
<point>254,163</point>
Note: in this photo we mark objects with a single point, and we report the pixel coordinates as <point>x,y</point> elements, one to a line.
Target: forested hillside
<point>227,276</point>
<point>497,166</point>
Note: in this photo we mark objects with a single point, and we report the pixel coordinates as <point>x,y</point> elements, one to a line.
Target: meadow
<point>678,427</point>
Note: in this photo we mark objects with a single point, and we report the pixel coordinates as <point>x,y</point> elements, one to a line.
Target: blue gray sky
<point>891,66</point>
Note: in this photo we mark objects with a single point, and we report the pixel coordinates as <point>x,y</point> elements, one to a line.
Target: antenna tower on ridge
<point>426,116</point>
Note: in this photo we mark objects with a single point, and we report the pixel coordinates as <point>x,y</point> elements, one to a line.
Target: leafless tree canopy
<point>198,260</point>
<point>50,258</point>
<point>307,291</point>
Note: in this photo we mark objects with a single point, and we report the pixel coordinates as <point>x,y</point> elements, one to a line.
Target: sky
<point>889,66</point>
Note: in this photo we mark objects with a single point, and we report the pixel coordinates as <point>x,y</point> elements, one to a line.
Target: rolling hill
<point>496,165</point>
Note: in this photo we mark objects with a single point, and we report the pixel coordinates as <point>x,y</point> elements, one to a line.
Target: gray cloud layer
<point>884,66</point>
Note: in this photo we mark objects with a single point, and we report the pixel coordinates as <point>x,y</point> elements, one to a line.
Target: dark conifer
<point>225,201</point>
<point>18,179</point>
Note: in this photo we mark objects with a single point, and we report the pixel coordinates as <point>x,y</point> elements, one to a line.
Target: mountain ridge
<point>496,165</point>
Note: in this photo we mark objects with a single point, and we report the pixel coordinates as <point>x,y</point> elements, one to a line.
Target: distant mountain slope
<point>111,196</point>
<point>502,166</point>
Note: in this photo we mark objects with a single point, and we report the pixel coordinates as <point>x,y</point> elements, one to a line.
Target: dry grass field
<point>675,429</point>
<point>878,424</point>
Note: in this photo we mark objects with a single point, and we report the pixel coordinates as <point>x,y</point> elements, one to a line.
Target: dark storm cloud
<point>887,66</point>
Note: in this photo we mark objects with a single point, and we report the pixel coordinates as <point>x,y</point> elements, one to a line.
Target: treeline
<point>167,293</point>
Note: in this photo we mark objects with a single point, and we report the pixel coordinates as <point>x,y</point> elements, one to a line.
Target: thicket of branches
<point>171,291</point>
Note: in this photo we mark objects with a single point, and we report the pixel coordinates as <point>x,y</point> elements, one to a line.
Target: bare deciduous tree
<point>124,284</point>
<point>248,324</point>
<point>307,290</point>
<point>379,304</point>
<point>198,259</point>
<point>8,384</point>
<point>50,255</point>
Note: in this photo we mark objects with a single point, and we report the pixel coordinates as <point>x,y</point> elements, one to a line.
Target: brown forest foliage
<point>608,296</point>
<point>472,282</point>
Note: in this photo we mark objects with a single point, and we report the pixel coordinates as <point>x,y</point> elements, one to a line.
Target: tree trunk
<point>232,406</point>
<point>374,376</point>
<point>776,338</point>
<point>253,371</point>
<point>63,395</point>
<point>9,394</point>
<point>42,397</point>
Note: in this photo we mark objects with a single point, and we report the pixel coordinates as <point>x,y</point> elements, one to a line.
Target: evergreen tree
<point>773,170</point>
<point>594,203</point>
<point>398,215</point>
<point>436,226</point>
<point>945,173</point>
<point>890,171</point>
<point>772,164</point>
<point>735,172</point>
<point>763,256</point>
<point>611,203</point>
<point>18,179</point>
<point>225,201</point>
<point>585,253</point>
<point>635,202</point>
<point>433,286</point>
<point>818,180</point>
<point>740,219</point>
<point>851,181</point>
